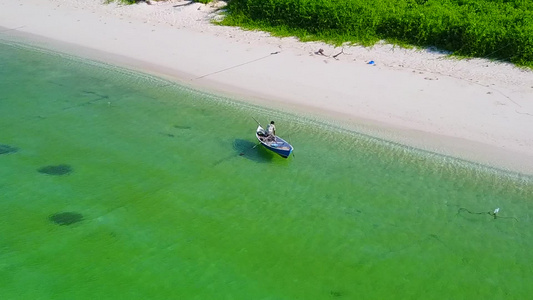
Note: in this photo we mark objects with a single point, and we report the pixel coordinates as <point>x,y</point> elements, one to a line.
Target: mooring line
<point>494,213</point>
<point>239,65</point>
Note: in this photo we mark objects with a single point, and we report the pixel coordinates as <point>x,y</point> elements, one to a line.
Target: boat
<point>273,143</point>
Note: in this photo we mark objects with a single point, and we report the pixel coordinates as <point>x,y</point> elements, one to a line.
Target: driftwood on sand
<point>321,52</point>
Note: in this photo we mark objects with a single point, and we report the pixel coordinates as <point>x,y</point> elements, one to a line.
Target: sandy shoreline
<point>473,109</point>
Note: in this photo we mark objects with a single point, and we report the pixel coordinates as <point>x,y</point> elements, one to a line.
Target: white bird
<point>496,210</point>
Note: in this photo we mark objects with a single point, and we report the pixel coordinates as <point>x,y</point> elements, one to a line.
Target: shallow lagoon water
<point>159,203</point>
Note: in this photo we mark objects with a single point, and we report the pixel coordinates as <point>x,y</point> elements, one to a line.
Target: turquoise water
<point>178,204</point>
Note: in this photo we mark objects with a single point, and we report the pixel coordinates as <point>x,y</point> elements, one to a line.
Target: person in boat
<point>271,131</point>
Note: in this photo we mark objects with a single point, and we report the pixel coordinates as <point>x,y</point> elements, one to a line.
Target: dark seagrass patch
<point>56,170</point>
<point>66,218</point>
<point>6,149</point>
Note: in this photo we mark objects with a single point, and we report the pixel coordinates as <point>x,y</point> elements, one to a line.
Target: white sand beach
<point>474,109</point>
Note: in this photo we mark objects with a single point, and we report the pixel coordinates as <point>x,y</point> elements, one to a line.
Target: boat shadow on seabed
<point>249,150</point>
<point>252,151</point>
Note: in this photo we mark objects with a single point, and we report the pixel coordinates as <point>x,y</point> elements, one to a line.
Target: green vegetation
<point>494,29</point>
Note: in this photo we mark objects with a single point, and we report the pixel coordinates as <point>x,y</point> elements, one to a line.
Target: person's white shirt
<point>271,129</point>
